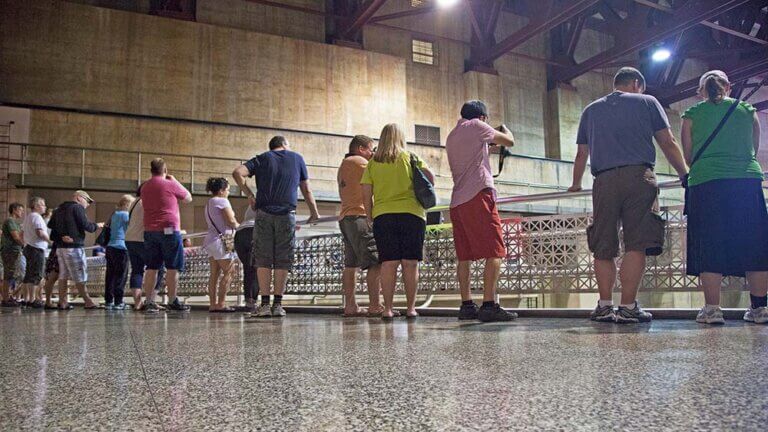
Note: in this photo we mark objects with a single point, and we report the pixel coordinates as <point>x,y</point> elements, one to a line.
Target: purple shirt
<point>467,148</point>
<point>214,215</point>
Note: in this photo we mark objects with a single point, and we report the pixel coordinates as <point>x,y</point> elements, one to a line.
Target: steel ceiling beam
<point>742,71</point>
<point>761,106</point>
<point>403,14</point>
<point>541,22</point>
<point>362,17</point>
<point>633,39</point>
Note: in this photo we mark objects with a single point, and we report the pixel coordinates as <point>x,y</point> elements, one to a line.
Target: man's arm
<point>503,138</point>
<point>18,237</point>
<point>310,199</point>
<point>579,166</point>
<point>671,151</point>
<point>81,219</point>
<point>182,194</point>
<point>43,234</point>
<point>368,200</point>
<point>686,140</point>
<point>239,174</point>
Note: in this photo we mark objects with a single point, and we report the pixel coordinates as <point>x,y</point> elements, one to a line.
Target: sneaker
<point>119,307</point>
<point>10,303</point>
<point>278,311</point>
<point>710,316</point>
<point>150,307</point>
<point>37,304</point>
<point>109,306</point>
<point>468,312</point>
<point>176,305</point>
<point>495,313</point>
<point>603,314</point>
<point>263,311</point>
<point>757,316</point>
<point>626,315</point>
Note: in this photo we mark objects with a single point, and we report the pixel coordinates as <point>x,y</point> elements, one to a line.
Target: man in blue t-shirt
<point>617,132</point>
<point>279,173</point>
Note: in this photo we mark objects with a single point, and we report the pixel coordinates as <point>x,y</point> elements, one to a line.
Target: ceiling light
<point>446,3</point>
<point>661,54</point>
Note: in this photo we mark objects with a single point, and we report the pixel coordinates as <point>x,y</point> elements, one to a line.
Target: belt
<point>620,167</point>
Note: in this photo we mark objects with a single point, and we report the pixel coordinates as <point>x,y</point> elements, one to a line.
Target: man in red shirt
<point>160,196</point>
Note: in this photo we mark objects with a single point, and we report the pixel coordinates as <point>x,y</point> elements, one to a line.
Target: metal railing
<point>545,254</point>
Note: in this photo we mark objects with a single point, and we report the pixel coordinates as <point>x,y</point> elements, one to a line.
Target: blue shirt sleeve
<point>252,166</point>
<point>303,175</point>
<point>582,137</point>
<point>659,118</point>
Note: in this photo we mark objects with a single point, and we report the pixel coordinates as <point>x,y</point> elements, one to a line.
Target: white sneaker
<point>263,311</point>
<point>710,316</point>
<point>757,316</point>
<point>278,311</point>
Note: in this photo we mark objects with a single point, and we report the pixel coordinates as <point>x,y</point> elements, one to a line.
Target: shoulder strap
<point>208,213</point>
<point>712,136</point>
<point>133,207</point>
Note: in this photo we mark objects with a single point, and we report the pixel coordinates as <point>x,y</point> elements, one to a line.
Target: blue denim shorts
<point>165,249</point>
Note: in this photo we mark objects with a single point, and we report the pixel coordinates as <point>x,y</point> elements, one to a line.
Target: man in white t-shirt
<point>35,233</point>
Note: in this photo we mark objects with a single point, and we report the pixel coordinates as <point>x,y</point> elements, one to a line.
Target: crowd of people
<point>383,222</point>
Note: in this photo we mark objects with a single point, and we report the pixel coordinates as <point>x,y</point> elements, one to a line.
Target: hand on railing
<point>575,188</point>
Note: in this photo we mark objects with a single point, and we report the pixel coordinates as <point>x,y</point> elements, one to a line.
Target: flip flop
<point>68,307</point>
<point>395,314</point>
<point>225,310</point>
<point>356,315</point>
<point>411,317</point>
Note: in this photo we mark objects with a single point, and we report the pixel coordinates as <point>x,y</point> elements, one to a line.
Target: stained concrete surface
<point>93,370</point>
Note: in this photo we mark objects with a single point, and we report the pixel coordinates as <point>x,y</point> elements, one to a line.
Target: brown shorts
<point>627,197</point>
<point>359,245</point>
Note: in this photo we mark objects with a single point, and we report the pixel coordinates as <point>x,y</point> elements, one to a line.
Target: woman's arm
<point>229,217</point>
<point>368,200</point>
<point>430,176</point>
<point>756,133</point>
<point>687,141</point>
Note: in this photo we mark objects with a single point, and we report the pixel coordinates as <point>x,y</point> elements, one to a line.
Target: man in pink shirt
<point>160,196</point>
<point>476,224</point>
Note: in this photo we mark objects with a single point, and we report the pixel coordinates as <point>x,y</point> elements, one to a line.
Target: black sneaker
<point>603,314</point>
<point>176,305</point>
<point>495,313</point>
<point>10,303</point>
<point>468,312</point>
<point>626,315</point>
<point>150,307</point>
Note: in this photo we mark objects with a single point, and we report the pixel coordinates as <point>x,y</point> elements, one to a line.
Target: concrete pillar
<point>487,88</point>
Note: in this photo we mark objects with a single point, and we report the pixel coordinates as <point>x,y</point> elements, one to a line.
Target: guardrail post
<point>192,174</point>
<point>138,172</point>
<point>23,162</point>
<point>82,168</point>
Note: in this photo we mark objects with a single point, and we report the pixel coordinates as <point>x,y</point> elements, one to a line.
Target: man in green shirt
<point>11,243</point>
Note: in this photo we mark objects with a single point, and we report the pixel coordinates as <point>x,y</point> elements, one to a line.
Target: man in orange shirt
<point>359,245</point>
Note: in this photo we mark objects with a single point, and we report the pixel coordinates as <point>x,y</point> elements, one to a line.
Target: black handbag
<point>105,235</point>
<point>422,187</point>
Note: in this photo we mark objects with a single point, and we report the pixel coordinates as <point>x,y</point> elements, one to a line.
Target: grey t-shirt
<point>619,129</point>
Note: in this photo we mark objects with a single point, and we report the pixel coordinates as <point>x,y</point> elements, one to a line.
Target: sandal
<point>92,307</point>
<point>68,307</point>
<point>361,313</point>
<point>371,314</point>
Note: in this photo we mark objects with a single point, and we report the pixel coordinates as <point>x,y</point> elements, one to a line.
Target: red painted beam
<point>687,16</point>
<point>362,17</point>
<point>538,24</point>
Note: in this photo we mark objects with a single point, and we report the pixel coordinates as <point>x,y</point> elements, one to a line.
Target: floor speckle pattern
<point>93,370</point>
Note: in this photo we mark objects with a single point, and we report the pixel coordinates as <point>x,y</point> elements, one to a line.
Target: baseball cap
<point>83,194</point>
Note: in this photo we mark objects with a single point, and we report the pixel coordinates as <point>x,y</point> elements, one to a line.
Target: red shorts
<point>477,228</point>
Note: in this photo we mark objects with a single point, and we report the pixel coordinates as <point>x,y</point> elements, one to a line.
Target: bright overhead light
<point>446,3</point>
<point>661,54</point>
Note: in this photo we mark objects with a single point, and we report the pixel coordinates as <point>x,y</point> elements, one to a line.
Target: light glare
<point>661,54</point>
<point>446,3</point>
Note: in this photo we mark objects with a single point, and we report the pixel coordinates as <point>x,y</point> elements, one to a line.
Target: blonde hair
<point>713,85</point>
<point>125,202</point>
<point>391,143</point>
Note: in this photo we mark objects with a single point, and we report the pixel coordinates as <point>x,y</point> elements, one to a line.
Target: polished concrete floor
<point>93,370</point>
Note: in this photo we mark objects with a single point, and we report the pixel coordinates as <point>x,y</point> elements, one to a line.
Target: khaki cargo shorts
<point>359,244</point>
<point>626,197</point>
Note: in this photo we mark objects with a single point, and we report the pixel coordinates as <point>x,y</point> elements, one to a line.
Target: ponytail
<point>714,88</point>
